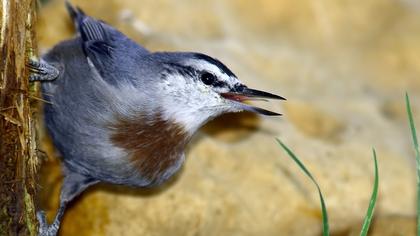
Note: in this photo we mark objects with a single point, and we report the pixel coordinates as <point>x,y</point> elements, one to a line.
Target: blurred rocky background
<point>344,67</point>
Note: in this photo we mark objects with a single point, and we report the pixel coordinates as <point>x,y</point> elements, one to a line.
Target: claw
<point>45,229</point>
<point>40,215</point>
<point>41,70</point>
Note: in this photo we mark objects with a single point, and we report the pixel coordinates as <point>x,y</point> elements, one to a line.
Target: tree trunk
<point>18,159</point>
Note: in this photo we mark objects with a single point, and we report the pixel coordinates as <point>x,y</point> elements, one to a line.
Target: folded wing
<point>109,51</point>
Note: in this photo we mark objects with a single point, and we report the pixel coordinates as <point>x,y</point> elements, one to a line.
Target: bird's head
<point>196,88</point>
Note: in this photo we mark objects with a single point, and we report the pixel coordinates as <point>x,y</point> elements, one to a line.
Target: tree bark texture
<point>18,159</point>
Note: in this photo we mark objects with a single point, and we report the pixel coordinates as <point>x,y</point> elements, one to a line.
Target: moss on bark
<point>18,159</point>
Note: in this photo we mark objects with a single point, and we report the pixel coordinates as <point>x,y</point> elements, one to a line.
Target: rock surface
<point>344,67</point>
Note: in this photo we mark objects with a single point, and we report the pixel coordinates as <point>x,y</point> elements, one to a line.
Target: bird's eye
<point>208,78</point>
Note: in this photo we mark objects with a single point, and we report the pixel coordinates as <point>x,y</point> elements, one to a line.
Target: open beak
<point>241,94</point>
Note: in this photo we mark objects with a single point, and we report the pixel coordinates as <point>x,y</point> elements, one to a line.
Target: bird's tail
<point>75,13</point>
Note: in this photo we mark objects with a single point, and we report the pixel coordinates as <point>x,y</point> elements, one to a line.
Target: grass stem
<point>417,154</point>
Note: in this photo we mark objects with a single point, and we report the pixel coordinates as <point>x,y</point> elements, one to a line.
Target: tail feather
<point>75,13</point>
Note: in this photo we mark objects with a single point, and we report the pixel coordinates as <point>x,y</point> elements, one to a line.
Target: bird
<point>121,114</point>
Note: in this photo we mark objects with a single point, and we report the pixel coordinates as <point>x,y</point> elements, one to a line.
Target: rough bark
<point>18,160</point>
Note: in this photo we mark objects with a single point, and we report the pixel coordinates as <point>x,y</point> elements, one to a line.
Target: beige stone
<point>313,122</point>
<point>392,225</point>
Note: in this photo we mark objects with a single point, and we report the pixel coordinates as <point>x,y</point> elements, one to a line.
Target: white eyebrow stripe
<point>207,66</point>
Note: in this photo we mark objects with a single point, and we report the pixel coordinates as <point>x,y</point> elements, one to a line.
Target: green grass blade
<point>325,225</point>
<point>411,120</point>
<point>417,153</point>
<point>372,203</point>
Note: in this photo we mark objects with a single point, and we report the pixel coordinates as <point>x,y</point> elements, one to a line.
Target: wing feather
<point>104,45</point>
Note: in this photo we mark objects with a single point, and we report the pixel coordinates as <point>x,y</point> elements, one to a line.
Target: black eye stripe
<point>208,78</point>
<point>219,83</point>
<point>239,87</point>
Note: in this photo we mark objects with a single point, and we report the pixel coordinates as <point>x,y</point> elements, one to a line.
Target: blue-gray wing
<point>110,51</point>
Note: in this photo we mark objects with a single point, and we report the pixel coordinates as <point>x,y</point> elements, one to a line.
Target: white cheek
<point>190,104</point>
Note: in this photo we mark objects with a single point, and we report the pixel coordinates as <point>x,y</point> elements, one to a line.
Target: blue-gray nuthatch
<point>123,115</point>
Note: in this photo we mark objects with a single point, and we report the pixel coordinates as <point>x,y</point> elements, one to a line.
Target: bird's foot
<point>41,71</point>
<point>44,228</point>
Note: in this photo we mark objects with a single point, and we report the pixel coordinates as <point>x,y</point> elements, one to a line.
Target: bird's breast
<point>155,147</point>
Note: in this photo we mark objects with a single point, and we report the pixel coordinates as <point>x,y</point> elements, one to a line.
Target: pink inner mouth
<point>234,97</point>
